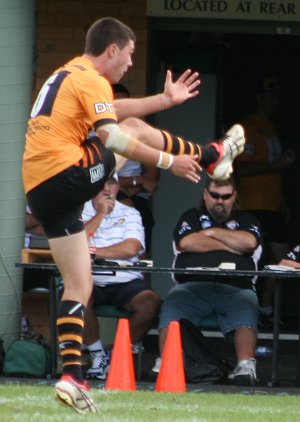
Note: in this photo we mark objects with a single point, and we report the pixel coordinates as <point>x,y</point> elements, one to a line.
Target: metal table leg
<point>277,297</point>
<point>298,360</point>
<point>52,318</point>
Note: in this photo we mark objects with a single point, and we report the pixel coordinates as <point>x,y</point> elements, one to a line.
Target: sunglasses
<point>216,195</point>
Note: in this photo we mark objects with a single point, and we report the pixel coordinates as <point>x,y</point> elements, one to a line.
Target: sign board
<point>275,10</point>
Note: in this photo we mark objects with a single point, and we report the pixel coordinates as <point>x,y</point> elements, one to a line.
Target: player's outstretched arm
<point>175,93</point>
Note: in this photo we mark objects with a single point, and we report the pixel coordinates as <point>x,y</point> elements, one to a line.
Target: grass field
<point>36,403</point>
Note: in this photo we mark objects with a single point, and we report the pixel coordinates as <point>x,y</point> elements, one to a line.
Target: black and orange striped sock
<point>70,325</point>
<point>177,146</point>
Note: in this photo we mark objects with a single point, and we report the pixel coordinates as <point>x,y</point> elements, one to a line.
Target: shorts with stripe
<point>58,202</point>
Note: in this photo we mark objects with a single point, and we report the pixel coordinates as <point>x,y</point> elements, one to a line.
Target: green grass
<point>21,402</point>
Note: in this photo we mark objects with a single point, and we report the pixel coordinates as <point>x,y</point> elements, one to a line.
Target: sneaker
<point>229,147</point>
<point>157,365</point>
<point>74,394</point>
<point>100,365</point>
<point>244,373</point>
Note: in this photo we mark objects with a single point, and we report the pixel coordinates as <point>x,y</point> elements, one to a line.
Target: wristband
<point>165,160</point>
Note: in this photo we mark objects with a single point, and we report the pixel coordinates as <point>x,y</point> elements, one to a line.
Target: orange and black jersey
<point>74,100</point>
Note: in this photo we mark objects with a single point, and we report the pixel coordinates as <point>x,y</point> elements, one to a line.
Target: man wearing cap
<point>119,236</point>
<point>259,182</point>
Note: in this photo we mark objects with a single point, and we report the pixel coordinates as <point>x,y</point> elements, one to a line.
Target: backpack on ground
<point>202,363</point>
<point>28,358</point>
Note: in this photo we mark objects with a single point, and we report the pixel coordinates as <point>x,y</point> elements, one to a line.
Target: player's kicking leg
<point>216,157</point>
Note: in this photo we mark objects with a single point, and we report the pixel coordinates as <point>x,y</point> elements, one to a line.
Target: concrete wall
<point>16,47</point>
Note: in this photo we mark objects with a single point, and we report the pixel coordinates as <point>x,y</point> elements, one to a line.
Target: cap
<point>114,176</point>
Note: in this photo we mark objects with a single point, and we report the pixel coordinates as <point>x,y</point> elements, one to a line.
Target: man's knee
<point>146,303</point>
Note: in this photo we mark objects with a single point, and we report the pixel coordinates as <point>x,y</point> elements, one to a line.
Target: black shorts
<point>119,294</point>
<point>58,202</point>
<point>273,226</point>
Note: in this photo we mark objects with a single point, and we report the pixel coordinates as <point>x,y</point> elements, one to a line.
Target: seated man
<point>119,236</point>
<point>292,258</point>
<point>207,236</point>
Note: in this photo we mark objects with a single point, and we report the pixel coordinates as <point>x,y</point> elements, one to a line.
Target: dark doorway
<point>237,59</point>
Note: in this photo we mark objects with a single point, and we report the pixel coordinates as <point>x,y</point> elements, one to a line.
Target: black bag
<point>202,364</point>
<point>28,357</point>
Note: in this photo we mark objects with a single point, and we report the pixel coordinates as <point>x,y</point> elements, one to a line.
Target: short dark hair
<point>107,31</point>
<point>226,182</point>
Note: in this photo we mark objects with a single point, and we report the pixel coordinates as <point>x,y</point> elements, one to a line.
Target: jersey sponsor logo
<point>120,222</point>
<point>103,107</point>
<point>185,227</point>
<point>205,222</point>
<point>255,230</point>
<point>34,126</point>
<point>291,256</point>
<point>97,173</point>
<point>232,225</point>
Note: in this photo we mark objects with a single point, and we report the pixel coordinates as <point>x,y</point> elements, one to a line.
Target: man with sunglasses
<point>217,232</point>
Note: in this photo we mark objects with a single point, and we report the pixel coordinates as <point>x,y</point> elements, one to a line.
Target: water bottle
<point>92,246</point>
<point>25,327</point>
<point>263,351</point>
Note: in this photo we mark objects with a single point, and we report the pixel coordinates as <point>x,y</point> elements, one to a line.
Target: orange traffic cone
<point>121,371</point>
<point>171,376</point>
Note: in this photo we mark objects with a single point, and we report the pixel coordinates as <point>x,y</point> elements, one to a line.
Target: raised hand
<point>184,88</point>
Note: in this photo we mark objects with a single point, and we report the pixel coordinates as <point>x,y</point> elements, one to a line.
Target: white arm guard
<point>123,144</point>
<point>117,141</point>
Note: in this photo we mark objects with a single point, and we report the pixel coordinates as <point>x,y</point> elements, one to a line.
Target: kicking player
<point>62,169</point>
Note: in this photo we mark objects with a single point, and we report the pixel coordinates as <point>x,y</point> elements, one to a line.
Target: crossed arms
<point>218,239</point>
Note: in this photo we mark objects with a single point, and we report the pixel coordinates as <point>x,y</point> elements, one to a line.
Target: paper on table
<point>279,268</point>
<point>222,266</point>
<point>201,268</point>
<point>227,266</point>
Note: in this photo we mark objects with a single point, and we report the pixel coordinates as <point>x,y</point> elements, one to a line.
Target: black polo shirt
<point>293,255</point>
<point>195,220</point>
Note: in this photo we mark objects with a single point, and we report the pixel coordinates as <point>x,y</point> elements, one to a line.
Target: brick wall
<point>61,28</point>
